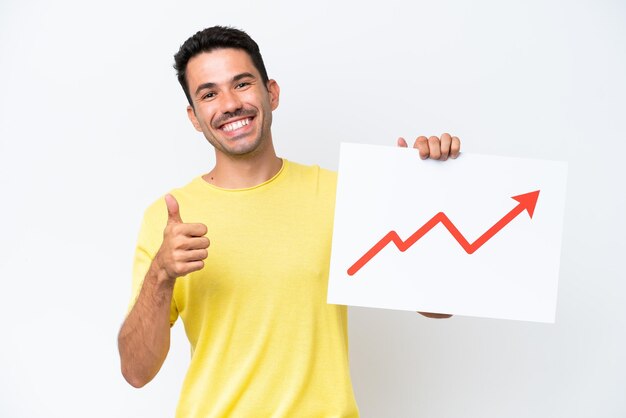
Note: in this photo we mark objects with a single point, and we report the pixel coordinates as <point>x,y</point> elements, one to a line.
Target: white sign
<point>476,236</point>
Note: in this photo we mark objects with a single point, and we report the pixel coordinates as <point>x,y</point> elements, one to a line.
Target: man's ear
<point>191,114</point>
<point>274,91</point>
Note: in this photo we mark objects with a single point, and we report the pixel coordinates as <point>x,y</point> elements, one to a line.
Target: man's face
<point>232,106</point>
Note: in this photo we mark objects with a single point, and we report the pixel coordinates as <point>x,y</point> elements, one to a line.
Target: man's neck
<point>243,172</point>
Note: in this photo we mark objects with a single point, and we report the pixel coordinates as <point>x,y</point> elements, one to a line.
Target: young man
<point>264,341</point>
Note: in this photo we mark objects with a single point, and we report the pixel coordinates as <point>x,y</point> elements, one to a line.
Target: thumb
<point>173,215</point>
<point>402,142</point>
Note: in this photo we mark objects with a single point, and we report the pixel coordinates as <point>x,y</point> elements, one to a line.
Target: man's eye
<point>209,95</point>
<point>242,85</point>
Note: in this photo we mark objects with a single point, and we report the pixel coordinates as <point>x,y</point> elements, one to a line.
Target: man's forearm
<point>144,338</point>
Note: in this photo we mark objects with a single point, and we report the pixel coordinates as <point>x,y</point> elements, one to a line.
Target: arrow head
<point>528,201</point>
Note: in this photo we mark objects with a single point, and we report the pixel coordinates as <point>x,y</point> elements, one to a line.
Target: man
<point>264,341</point>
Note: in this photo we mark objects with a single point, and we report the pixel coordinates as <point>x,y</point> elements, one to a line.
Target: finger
<point>402,143</point>
<point>455,147</point>
<point>173,214</point>
<point>189,267</point>
<point>435,147</point>
<point>193,230</point>
<point>421,143</point>
<point>195,265</point>
<point>194,255</point>
<point>446,141</point>
<point>196,243</point>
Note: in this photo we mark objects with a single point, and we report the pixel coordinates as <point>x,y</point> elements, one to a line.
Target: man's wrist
<point>161,277</point>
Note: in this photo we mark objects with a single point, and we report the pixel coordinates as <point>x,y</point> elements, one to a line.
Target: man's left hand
<point>435,148</point>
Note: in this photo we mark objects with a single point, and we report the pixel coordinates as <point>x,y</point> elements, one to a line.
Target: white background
<point>93,128</point>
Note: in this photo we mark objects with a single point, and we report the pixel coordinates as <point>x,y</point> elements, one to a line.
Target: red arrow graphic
<point>526,201</point>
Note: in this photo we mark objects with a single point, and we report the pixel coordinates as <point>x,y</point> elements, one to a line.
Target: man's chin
<point>243,150</point>
<point>241,146</point>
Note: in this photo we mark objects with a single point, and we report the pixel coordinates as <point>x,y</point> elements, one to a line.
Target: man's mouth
<point>238,124</point>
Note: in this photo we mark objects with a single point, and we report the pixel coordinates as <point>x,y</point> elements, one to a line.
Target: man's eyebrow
<point>211,85</point>
<point>243,75</point>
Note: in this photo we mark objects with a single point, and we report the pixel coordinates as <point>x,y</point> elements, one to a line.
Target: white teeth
<point>236,125</point>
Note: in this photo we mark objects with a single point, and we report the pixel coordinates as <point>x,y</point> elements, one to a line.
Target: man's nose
<point>230,102</point>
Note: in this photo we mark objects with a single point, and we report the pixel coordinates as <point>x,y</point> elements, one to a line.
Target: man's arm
<point>436,149</point>
<point>144,338</point>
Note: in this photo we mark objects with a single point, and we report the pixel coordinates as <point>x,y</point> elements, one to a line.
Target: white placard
<point>470,245</point>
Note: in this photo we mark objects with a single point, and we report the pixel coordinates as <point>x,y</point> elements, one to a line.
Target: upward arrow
<point>527,202</point>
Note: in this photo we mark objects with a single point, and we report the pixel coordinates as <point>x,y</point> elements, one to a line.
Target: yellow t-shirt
<point>264,342</point>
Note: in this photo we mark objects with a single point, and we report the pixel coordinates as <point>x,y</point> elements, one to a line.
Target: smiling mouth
<point>238,124</point>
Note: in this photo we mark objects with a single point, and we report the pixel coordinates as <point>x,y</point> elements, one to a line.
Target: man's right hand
<point>184,245</point>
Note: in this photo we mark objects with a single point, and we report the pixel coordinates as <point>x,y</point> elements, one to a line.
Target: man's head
<point>231,100</point>
<point>212,38</point>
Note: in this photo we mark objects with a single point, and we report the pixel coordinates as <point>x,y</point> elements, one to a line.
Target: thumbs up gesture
<point>184,245</point>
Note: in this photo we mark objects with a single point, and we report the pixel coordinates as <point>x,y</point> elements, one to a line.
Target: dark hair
<point>212,38</point>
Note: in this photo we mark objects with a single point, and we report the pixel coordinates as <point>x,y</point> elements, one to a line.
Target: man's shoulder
<point>313,181</point>
<point>313,172</point>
